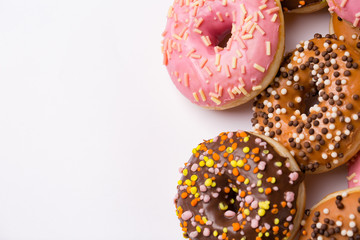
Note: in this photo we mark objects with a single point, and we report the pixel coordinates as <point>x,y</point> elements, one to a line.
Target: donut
<point>345,20</point>
<point>221,54</point>
<point>354,171</point>
<point>303,6</point>
<point>337,216</point>
<point>240,185</point>
<point>313,106</point>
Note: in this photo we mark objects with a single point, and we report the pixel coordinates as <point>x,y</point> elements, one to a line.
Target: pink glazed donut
<point>346,9</point>
<point>222,53</point>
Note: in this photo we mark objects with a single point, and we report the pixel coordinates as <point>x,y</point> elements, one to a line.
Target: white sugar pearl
<point>341,38</point>
<point>283,91</point>
<point>324,156</point>
<point>334,46</point>
<point>326,211</point>
<point>288,83</point>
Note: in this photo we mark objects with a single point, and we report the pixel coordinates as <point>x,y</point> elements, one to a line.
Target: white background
<point>92,130</point>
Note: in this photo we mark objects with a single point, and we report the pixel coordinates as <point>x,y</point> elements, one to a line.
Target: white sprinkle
<point>298,99</point>
<point>312,138</point>
<point>332,126</point>
<point>354,36</point>
<point>334,46</point>
<point>324,156</point>
<point>343,82</point>
<point>355,117</point>
<point>288,83</point>
<point>336,161</point>
<point>347,132</point>
<point>283,91</point>
<point>352,216</point>
<point>350,233</point>
<point>296,78</point>
<point>347,54</point>
<point>344,194</point>
<point>329,136</point>
<point>343,232</point>
<point>352,224</point>
<point>347,119</point>
<point>333,61</point>
<point>337,138</point>
<point>339,223</point>
<point>341,38</point>
<point>331,147</point>
<point>318,225</point>
<point>326,211</point>
<point>334,154</point>
<point>338,132</point>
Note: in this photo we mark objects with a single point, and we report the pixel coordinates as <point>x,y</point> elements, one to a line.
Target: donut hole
<point>224,38</point>
<point>311,98</point>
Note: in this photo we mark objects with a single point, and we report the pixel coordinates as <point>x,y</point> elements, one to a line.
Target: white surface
<point>92,131</point>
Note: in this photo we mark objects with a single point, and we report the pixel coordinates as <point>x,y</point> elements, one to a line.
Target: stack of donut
<point>249,185</point>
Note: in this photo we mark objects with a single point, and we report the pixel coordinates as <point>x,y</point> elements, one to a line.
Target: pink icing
<point>346,9</point>
<point>354,171</point>
<point>211,76</point>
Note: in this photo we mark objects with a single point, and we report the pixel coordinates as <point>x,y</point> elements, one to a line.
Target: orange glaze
<point>344,29</point>
<point>342,214</point>
<point>325,135</point>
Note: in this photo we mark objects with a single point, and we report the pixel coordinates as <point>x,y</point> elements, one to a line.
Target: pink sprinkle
<point>254,204</point>
<point>215,195</point>
<point>257,140</point>
<point>206,232</point>
<point>249,199</point>
<point>193,234</point>
<point>194,167</point>
<point>209,223</point>
<point>203,188</point>
<point>230,134</point>
<point>289,196</point>
<point>186,215</point>
<point>270,156</point>
<point>279,172</point>
<point>239,217</point>
<point>294,176</point>
<point>206,198</point>
<point>229,214</point>
<point>289,218</point>
<point>262,165</point>
<point>254,223</point>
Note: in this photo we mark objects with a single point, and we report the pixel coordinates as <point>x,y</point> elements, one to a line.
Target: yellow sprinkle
<point>260,190</point>
<point>208,182</point>
<point>259,183</point>
<point>232,201</point>
<point>240,163</point>
<point>233,163</point>
<point>261,212</point>
<point>180,182</point>
<point>213,184</point>
<point>246,149</point>
<point>260,234</point>
<point>273,19</point>
<point>195,96</point>
<point>198,229</point>
<point>216,100</point>
<point>268,48</point>
<point>276,221</point>
<point>197,195</point>
<point>188,182</point>
<point>259,176</point>
<point>215,233</point>
<point>194,178</point>
<point>210,163</point>
<point>204,219</point>
<point>185,172</point>
<point>278,164</point>
<point>247,212</point>
<point>201,163</point>
<point>194,151</point>
<point>246,139</point>
<point>267,234</point>
<point>247,181</point>
<point>229,150</point>
<point>235,189</point>
<point>273,180</point>
<point>225,230</point>
<point>193,190</point>
<point>264,205</point>
<point>223,206</point>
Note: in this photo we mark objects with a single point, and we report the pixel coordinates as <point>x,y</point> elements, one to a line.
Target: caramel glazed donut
<point>240,186</point>
<point>302,6</point>
<point>337,216</point>
<point>313,105</point>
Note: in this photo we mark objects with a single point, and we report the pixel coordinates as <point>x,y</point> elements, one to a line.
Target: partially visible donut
<point>303,6</point>
<point>313,106</point>
<point>337,216</point>
<point>345,20</point>
<point>354,171</point>
<point>221,54</point>
<point>239,186</point>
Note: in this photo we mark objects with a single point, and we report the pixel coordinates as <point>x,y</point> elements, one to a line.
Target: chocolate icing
<point>261,174</point>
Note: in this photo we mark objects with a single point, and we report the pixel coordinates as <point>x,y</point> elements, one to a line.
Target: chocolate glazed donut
<point>313,106</point>
<point>240,186</point>
<point>303,6</point>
